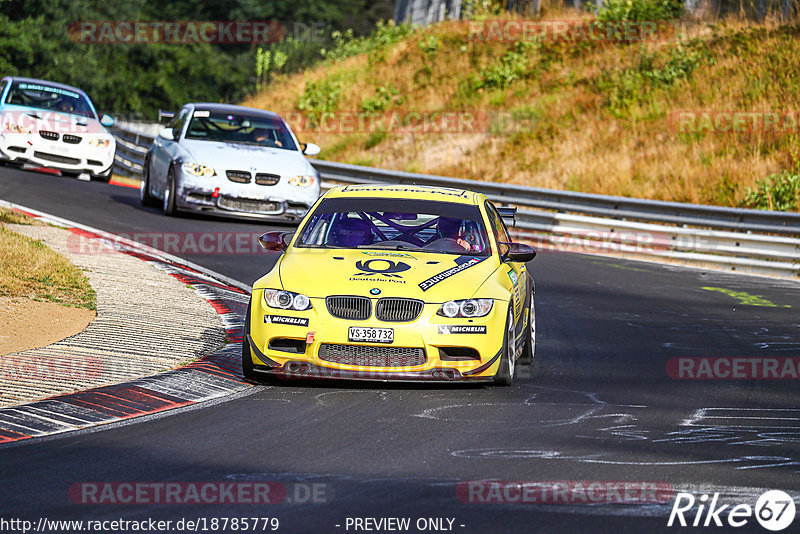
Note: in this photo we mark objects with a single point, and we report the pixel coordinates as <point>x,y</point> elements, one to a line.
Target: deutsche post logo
<point>387,268</point>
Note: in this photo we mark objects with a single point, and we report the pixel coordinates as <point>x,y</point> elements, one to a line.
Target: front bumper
<point>244,201</point>
<point>293,351</point>
<point>31,148</point>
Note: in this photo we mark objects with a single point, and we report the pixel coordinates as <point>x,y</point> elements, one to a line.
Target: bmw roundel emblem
<point>374,291</point>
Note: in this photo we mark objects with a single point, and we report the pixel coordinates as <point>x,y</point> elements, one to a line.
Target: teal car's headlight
<point>199,170</point>
<point>466,308</point>
<point>17,128</point>
<point>99,142</point>
<point>286,300</point>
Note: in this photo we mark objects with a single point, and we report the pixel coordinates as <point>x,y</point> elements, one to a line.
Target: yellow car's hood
<point>430,277</point>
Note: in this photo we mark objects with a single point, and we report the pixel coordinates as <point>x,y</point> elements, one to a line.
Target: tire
<point>505,373</point>
<point>529,349</point>
<point>144,188</point>
<point>104,176</point>
<point>168,206</point>
<point>247,359</point>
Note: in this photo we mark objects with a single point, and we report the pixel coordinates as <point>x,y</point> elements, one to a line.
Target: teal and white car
<point>53,125</point>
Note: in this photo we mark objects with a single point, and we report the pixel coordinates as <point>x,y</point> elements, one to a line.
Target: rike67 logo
<point>774,510</point>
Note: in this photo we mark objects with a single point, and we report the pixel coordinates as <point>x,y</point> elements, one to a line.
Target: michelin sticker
<point>280,319</point>
<point>462,329</point>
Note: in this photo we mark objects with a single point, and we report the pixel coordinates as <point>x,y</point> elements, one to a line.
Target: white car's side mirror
<point>311,149</point>
<point>107,121</point>
<point>167,134</point>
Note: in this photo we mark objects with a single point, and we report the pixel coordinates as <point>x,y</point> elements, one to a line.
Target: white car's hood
<point>237,156</point>
<point>36,120</point>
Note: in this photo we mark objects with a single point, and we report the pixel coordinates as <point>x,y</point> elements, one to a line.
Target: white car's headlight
<point>99,142</point>
<point>302,181</point>
<point>466,308</point>
<point>286,300</point>
<point>199,170</point>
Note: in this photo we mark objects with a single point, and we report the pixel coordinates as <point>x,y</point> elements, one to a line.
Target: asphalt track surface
<point>597,405</point>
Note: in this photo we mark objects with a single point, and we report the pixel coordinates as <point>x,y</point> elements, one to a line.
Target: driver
<point>449,228</point>
<point>64,105</point>
<point>261,136</point>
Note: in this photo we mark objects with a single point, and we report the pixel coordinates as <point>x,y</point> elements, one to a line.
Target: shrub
<point>639,10</point>
<point>319,99</point>
<point>780,191</point>
<point>383,99</point>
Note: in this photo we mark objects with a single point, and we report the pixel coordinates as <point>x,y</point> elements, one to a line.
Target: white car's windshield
<point>231,128</point>
<point>47,97</point>
<point>396,224</point>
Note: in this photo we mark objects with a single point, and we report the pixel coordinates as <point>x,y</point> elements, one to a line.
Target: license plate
<point>374,335</point>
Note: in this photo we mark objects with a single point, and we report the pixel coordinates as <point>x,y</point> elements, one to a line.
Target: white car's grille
<point>248,205</point>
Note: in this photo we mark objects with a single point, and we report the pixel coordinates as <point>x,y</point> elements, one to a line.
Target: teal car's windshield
<point>396,224</point>
<point>47,97</point>
<point>231,128</point>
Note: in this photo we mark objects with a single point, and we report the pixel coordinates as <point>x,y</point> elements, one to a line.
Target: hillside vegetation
<point>587,115</point>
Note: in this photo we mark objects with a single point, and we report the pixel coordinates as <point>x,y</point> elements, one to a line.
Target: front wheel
<point>169,194</point>
<point>247,358</point>
<point>505,373</point>
<point>144,187</point>
<point>530,337</point>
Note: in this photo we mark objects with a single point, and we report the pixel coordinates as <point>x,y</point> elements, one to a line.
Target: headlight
<point>17,128</point>
<point>100,143</point>
<point>199,170</point>
<point>302,181</point>
<point>286,300</point>
<point>466,308</point>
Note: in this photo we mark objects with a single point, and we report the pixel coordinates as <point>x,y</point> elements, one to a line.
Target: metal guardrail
<point>131,149</point>
<point>762,242</point>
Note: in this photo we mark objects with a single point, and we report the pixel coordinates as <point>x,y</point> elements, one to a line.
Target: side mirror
<point>165,116</point>
<point>275,241</point>
<point>519,252</point>
<point>167,134</point>
<point>310,149</point>
<point>107,121</point>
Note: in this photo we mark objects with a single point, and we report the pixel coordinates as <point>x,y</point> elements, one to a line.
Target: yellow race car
<point>393,282</point>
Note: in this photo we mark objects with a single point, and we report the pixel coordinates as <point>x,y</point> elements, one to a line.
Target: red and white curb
<point>213,376</point>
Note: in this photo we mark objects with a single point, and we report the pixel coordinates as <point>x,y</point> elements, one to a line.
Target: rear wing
<point>164,116</point>
<point>509,215</point>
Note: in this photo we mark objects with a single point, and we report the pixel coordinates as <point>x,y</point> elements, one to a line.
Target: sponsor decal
<point>416,189</point>
<point>281,319</point>
<point>463,262</point>
<point>513,276</point>
<point>462,329</point>
<point>389,254</point>
<point>380,270</point>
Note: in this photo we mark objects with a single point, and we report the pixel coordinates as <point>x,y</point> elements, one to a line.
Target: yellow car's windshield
<point>396,224</point>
